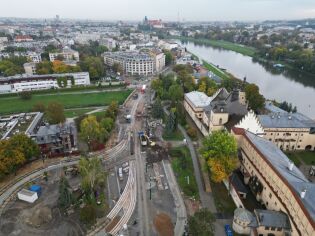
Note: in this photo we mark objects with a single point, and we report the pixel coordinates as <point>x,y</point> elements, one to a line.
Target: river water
<point>286,85</point>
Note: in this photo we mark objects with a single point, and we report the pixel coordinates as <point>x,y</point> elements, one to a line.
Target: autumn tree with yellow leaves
<point>220,151</point>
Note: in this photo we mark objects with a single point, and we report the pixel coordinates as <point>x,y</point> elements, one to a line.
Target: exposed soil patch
<point>163,225</point>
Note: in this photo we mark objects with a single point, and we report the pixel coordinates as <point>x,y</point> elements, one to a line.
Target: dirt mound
<point>163,225</point>
<point>38,217</point>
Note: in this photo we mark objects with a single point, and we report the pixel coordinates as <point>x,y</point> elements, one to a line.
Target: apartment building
<point>110,43</point>
<point>34,57</point>
<point>220,111</point>
<point>276,182</point>
<point>19,83</point>
<point>133,63</point>
<point>289,131</point>
<point>30,68</point>
<point>67,54</point>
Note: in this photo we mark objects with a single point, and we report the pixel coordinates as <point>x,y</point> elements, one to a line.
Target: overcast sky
<point>189,10</point>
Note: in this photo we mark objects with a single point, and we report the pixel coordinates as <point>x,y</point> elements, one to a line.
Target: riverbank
<point>242,49</point>
<point>215,70</point>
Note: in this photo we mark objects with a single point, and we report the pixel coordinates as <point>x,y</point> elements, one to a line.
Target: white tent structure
<point>27,196</point>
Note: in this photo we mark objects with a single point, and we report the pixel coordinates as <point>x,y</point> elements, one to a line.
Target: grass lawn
<point>222,200</point>
<point>216,70</point>
<point>16,104</point>
<point>174,136</point>
<point>77,112</point>
<point>307,157</point>
<point>245,50</point>
<point>183,167</point>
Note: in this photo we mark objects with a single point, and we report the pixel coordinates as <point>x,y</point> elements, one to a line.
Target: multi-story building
<point>30,68</point>
<point>108,42</point>
<point>289,131</point>
<point>133,63</point>
<point>159,60</point>
<point>34,57</point>
<point>67,54</point>
<point>19,83</point>
<point>23,38</point>
<point>276,182</point>
<point>220,111</point>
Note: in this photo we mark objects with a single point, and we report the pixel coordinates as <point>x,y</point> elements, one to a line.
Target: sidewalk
<point>205,198</point>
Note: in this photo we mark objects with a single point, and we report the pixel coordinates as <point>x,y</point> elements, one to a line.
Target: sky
<point>168,10</point>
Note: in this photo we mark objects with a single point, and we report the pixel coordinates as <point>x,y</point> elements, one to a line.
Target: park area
<point>9,105</point>
<point>184,171</point>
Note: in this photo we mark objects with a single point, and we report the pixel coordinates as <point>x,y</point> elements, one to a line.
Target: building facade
<point>30,68</point>
<point>67,54</point>
<point>134,63</point>
<point>19,83</point>
<point>218,111</point>
<point>276,182</point>
<point>289,131</point>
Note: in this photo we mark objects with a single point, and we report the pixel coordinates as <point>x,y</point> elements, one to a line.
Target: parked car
<point>228,230</point>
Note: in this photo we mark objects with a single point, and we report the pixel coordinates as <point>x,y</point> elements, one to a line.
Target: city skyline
<point>200,10</point>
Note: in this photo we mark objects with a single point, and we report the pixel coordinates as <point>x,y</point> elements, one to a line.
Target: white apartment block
<point>34,57</point>
<point>30,68</point>
<point>67,54</point>
<point>159,62</point>
<point>133,63</point>
<point>108,42</point>
<point>19,83</point>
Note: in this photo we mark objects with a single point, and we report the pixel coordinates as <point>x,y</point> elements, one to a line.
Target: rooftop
<point>270,218</point>
<point>286,120</point>
<point>199,99</point>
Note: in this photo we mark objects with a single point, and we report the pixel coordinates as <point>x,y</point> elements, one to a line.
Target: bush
<point>88,215</point>
<point>25,95</point>
<point>192,132</point>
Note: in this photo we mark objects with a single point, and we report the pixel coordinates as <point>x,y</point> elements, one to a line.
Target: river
<point>286,85</point>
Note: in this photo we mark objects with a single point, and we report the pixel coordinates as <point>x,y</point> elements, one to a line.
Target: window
<point>266,228</point>
<point>270,195</point>
<point>273,228</point>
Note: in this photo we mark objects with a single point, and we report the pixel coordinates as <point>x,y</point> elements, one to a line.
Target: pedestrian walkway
<point>205,198</point>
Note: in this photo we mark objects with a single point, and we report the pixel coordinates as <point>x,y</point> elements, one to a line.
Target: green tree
<point>157,109</point>
<point>93,177</point>
<point>176,93</point>
<point>11,158</point>
<point>118,68</point>
<point>25,95</point>
<point>91,131</point>
<point>44,67</point>
<point>55,113</point>
<point>107,123</point>
<point>26,145</point>
<point>171,122</point>
<point>39,106</point>
<point>65,198</point>
<point>168,57</point>
<point>255,100</point>
<point>88,215</point>
<point>94,65</point>
<point>201,223</point>
<point>219,149</point>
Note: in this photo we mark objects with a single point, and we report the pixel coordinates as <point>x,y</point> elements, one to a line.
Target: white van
<point>120,173</point>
